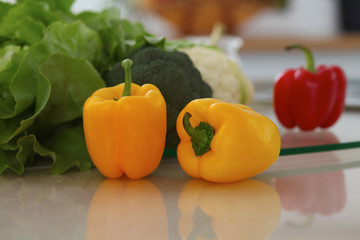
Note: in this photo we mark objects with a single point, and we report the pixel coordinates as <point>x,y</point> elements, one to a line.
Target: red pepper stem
<point>126,64</point>
<point>310,63</point>
<point>201,136</point>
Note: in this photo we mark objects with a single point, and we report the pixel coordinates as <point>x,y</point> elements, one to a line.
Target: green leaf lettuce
<point>51,61</point>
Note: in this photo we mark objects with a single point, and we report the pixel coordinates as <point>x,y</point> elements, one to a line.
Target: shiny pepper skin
<point>231,141</point>
<point>309,97</point>
<point>125,134</point>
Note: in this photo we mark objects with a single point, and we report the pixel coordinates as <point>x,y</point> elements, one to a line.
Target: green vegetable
<point>175,76</point>
<point>6,53</point>
<point>51,60</point>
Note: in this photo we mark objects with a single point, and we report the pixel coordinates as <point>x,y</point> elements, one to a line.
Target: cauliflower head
<point>223,75</point>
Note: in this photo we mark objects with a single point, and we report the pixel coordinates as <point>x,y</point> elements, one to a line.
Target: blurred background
<point>331,28</point>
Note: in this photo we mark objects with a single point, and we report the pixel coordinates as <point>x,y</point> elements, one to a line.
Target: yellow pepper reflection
<point>247,209</point>
<point>127,209</point>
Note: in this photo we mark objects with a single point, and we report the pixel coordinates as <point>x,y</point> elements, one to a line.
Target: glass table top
<point>343,135</point>
<point>313,203</point>
<point>303,195</point>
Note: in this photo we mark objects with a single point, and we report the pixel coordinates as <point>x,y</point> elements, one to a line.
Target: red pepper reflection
<point>293,139</point>
<point>322,193</point>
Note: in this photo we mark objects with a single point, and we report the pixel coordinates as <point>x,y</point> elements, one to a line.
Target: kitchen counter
<point>307,194</point>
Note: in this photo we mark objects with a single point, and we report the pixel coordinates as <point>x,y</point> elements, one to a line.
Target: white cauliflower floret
<point>222,74</point>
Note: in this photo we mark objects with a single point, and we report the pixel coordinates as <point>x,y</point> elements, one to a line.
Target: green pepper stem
<point>126,64</point>
<point>310,63</point>
<point>201,136</point>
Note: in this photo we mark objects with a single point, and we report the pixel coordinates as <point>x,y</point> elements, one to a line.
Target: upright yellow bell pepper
<point>125,128</point>
<point>231,141</point>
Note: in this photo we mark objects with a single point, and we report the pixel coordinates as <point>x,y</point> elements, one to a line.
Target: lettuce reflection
<point>43,207</point>
<point>127,209</point>
<point>247,209</point>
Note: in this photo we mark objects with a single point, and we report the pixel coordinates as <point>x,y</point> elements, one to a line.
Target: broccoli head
<point>175,76</point>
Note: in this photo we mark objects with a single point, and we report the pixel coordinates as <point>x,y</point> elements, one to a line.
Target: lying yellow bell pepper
<point>125,128</point>
<point>231,141</point>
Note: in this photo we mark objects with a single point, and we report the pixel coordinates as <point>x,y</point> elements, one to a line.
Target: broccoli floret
<point>175,76</point>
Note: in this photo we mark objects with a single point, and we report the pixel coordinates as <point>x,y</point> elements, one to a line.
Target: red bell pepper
<point>309,97</point>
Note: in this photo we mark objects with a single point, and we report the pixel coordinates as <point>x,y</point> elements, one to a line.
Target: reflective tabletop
<point>321,203</point>
<point>304,195</point>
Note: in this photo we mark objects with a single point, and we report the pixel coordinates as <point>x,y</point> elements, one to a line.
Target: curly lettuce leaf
<point>27,147</point>
<point>71,81</point>
<point>4,9</point>
<point>119,36</point>
<point>26,22</point>
<point>55,5</point>
<point>66,149</point>
<point>74,39</point>
<point>6,53</point>
<point>9,125</point>
<point>8,160</point>
<point>70,148</point>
